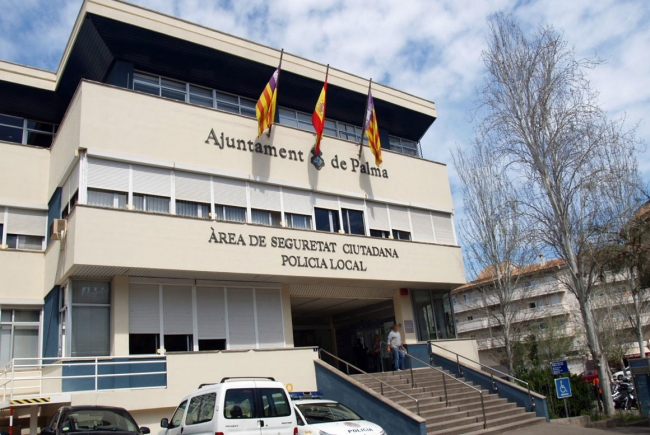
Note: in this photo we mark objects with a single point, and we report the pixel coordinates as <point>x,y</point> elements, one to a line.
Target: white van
<point>243,406</point>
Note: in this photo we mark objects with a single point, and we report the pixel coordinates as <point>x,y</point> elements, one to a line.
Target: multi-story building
<point>541,305</point>
<point>152,242</point>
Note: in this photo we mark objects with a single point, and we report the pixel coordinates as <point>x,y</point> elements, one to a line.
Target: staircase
<point>464,414</point>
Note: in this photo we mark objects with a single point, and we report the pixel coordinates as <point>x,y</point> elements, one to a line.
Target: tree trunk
<point>639,325</point>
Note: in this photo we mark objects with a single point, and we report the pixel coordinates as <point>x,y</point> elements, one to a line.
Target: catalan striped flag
<point>265,107</point>
<point>318,117</point>
<point>371,129</point>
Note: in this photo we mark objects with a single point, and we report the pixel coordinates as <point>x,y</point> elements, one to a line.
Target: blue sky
<point>429,48</point>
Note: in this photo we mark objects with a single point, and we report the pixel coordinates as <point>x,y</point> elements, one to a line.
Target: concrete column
<point>403,313</point>
<point>120,316</point>
<point>286,314</point>
<point>33,420</point>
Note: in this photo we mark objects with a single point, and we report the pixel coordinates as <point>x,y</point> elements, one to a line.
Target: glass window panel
<point>146,78</point>
<point>306,126</point>
<point>304,117</point>
<point>171,84</point>
<point>34,243</point>
<point>6,315</point>
<point>299,221</point>
<point>27,315</point>
<point>275,402</point>
<point>249,104</point>
<point>187,208</point>
<point>146,88</point>
<point>227,107</point>
<point>10,134</point>
<point>228,98</point>
<point>379,233</point>
<point>327,220</point>
<point>261,217</point>
<point>177,418</point>
<point>180,96</point>
<point>237,214</point>
<point>239,403</point>
<point>353,222</point>
<point>203,92</point>
<point>5,344</point>
<point>121,199</point>
<point>401,235</point>
<point>138,201</point>
<point>248,112</point>
<point>12,241</point>
<point>40,126</point>
<point>201,101</point>
<point>288,121</point>
<point>287,113</point>
<point>329,132</point>
<point>143,344</point>
<point>11,120</point>
<point>39,139</point>
<point>157,204</point>
<point>90,331</point>
<point>101,198</point>
<point>91,292</point>
<point>25,343</point>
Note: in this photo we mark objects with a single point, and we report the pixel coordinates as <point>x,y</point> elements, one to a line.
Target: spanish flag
<point>318,118</point>
<point>371,130</point>
<point>265,107</point>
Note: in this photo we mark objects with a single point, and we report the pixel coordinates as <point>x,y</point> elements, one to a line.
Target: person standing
<point>397,349</point>
<point>375,351</point>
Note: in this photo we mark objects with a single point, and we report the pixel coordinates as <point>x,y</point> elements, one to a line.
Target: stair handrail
<point>444,384</point>
<point>492,370</point>
<point>381,383</point>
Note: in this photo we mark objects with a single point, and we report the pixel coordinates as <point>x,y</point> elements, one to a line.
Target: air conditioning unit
<point>57,227</point>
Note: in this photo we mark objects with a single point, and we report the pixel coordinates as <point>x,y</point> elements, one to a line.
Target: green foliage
<point>582,402</point>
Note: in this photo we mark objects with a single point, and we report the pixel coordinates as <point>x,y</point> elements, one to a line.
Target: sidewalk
<point>556,429</point>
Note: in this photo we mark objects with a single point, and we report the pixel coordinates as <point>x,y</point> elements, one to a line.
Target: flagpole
<point>277,85</point>
<point>363,123</point>
<point>327,72</point>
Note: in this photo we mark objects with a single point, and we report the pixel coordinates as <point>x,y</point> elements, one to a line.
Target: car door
<point>175,426</point>
<point>240,410</point>
<point>277,416</point>
<point>303,427</point>
<point>199,418</point>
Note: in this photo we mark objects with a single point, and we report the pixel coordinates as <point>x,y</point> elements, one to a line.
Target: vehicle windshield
<point>84,420</point>
<point>316,413</point>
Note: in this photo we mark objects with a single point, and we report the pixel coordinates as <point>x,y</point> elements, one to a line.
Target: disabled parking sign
<point>563,388</point>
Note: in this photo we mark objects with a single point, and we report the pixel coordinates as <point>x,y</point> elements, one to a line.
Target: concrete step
<point>437,402</point>
<point>469,419</point>
<point>451,389</point>
<point>510,426</point>
<point>494,425</point>
<point>438,415</point>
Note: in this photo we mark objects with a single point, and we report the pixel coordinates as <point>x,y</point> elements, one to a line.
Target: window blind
<point>377,216</point>
<point>399,218</point>
<point>326,201</point>
<point>264,197</point>
<point>153,181</point>
<point>443,226</point>
<point>422,226</point>
<point>27,222</point>
<point>144,309</point>
<point>241,318</point>
<point>229,192</point>
<point>270,324</point>
<point>108,175</point>
<point>296,201</point>
<point>192,187</point>
<point>177,309</point>
<point>352,203</point>
<point>211,312</point>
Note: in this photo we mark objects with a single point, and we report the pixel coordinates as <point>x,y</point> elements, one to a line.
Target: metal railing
<point>21,371</point>
<point>492,371</point>
<point>443,376</point>
<point>381,383</point>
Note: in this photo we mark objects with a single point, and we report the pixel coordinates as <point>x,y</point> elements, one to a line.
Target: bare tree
<point>496,239</point>
<point>556,340</point>
<point>565,157</point>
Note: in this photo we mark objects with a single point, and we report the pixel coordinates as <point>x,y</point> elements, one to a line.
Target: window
<point>105,198</point>
<point>532,305</point>
<point>353,222</point>
<point>201,409</point>
<point>177,418</point>
<point>264,217</point>
<point>178,343</point>
<point>235,104</point>
<point>91,306</point>
<point>327,220</point>
<point>26,132</point>
<point>298,221</point>
<point>470,317</point>
<point>296,119</point>
<point>201,96</point>
<point>230,213</point>
<point>143,344</point>
<point>404,146</point>
<point>543,326</point>
<point>19,331</point>
<point>212,344</point>
<point>433,318</point>
<point>192,209</point>
<point>453,301</point>
<point>465,297</point>
<point>239,403</point>
<point>302,120</point>
<point>17,241</point>
<point>156,204</point>
<point>275,402</point>
<point>380,233</point>
<point>401,235</point>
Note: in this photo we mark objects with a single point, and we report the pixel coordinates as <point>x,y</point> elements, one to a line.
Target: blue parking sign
<point>563,388</point>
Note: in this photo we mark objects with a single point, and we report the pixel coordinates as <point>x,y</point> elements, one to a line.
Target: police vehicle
<point>318,416</point>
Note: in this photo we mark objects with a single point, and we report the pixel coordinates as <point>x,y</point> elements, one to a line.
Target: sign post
<point>562,385</point>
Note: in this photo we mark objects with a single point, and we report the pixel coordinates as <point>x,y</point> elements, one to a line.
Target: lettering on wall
<point>307,253</point>
<point>353,164</point>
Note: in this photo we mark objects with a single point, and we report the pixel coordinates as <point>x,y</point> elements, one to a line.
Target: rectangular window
<point>401,235</point>
<point>178,343</point>
<point>105,198</point>
<point>327,220</point>
<point>146,83</point>
<point>465,297</point>
<point>200,409</point>
<point>264,217</point>
<point>26,132</point>
<point>380,234</point>
<point>470,317</point>
<point>143,344</point>
<point>155,204</point>
<point>298,221</point>
<point>275,402</point>
<point>212,344</point>
<point>403,146</point>
<point>353,222</point>
<point>532,305</point>
<point>239,403</point>
<point>91,306</point>
<point>235,104</point>
<point>192,209</point>
<point>230,213</point>
<point>32,243</point>
<point>172,89</point>
<point>19,330</point>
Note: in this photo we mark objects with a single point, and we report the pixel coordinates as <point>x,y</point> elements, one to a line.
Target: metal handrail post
<point>96,373</point>
<point>460,371</point>
<point>411,367</point>
<point>483,407</point>
<point>13,379</point>
<point>494,384</point>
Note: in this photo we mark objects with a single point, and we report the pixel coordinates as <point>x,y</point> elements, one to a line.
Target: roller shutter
<point>26,222</point>
<point>229,192</point>
<point>70,186</point>
<point>241,318</point>
<point>377,216</point>
<point>144,309</point>
<point>211,312</point>
<point>152,181</point>
<point>422,226</point>
<point>177,309</point>
<point>351,203</point>
<point>399,218</point>
<point>108,175</point>
<point>264,197</point>
<point>443,226</point>
<point>326,201</point>
<point>192,187</point>
<point>296,201</point>
<point>270,323</point>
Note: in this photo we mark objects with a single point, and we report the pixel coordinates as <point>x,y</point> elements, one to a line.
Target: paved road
<point>558,429</point>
